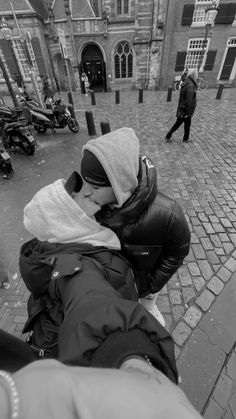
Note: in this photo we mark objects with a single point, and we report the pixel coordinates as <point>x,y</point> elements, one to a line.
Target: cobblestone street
<point>200,175</point>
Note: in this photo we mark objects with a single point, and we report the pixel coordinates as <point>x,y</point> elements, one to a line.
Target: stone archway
<point>92,62</point>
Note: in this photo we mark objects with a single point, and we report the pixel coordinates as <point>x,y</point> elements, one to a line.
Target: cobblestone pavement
<point>200,175</point>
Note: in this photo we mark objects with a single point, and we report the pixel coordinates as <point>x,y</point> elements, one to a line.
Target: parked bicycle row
<point>16,126</point>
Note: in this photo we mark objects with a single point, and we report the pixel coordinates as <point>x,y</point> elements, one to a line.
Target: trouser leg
<point>176,125</point>
<point>149,302</point>
<point>187,125</point>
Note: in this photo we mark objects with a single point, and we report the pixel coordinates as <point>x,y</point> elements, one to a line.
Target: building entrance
<point>93,64</point>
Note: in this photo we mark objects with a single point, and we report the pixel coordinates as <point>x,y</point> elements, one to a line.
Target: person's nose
<point>87,192</point>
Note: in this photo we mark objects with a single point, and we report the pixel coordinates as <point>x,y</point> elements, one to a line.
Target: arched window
<point>123,60</point>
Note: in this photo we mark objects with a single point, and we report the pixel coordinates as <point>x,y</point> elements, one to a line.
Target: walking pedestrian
<point>186,105</point>
<point>151,226</point>
<point>85,82</point>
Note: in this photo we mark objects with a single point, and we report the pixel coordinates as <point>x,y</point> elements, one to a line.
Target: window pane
<point>126,6</point>
<point>196,53</point>
<point>119,7</point>
<point>123,59</point>
<point>130,65</point>
<point>117,66</point>
<point>123,66</point>
<point>120,48</point>
<point>126,48</point>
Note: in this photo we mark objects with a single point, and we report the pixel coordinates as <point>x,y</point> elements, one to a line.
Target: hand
<point>51,390</point>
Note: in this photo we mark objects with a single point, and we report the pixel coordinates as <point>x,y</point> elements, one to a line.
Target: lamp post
<point>8,83</point>
<point>7,33</point>
<point>210,14</point>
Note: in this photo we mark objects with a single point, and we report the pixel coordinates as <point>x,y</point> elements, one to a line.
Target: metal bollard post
<point>140,96</point>
<point>90,123</point>
<point>72,111</point>
<point>117,96</point>
<point>105,127</point>
<point>219,91</point>
<point>83,91</point>
<point>169,94</point>
<point>93,100</point>
<point>70,98</point>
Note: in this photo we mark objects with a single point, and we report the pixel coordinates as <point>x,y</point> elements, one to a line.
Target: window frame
<point>122,13</point>
<point>197,49</point>
<point>119,55</point>
<point>203,4</point>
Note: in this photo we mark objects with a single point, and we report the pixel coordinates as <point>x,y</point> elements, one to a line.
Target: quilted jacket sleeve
<point>101,328</point>
<point>176,248</point>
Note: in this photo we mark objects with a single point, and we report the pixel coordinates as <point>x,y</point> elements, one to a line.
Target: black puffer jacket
<point>187,98</point>
<point>102,322</point>
<point>153,231</point>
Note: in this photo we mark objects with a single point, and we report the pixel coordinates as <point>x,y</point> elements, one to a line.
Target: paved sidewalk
<point>202,177</point>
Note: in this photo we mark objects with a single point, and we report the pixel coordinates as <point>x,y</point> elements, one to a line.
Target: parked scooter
<point>5,164</point>
<point>58,117</point>
<point>17,135</point>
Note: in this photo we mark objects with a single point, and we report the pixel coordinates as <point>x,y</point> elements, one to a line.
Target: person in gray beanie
<point>151,226</point>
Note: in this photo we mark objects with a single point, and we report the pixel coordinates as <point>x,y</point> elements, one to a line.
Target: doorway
<point>93,64</point>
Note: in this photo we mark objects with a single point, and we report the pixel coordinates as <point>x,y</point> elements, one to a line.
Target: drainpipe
<point>149,48</point>
<point>163,44</point>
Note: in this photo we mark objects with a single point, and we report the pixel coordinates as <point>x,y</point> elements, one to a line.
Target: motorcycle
<point>5,164</point>
<point>57,117</point>
<point>17,134</point>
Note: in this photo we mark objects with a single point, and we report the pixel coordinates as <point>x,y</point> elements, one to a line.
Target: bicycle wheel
<point>204,84</point>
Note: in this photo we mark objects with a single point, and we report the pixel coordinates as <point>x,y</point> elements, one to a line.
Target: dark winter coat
<point>153,231</point>
<point>187,98</point>
<point>100,322</point>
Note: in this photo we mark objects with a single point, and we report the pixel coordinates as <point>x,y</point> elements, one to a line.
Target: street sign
<point>62,40</point>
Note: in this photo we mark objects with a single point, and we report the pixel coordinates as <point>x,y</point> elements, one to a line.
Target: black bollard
<point>72,111</point>
<point>117,96</point>
<point>93,100</point>
<point>70,98</point>
<point>169,94</point>
<point>140,96</point>
<point>105,127</point>
<point>83,91</point>
<point>90,123</point>
<point>219,91</point>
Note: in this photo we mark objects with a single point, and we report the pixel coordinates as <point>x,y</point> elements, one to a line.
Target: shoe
<point>168,137</point>
<point>149,302</point>
<point>187,141</point>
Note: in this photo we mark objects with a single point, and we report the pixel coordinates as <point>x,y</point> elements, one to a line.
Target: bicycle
<point>202,84</point>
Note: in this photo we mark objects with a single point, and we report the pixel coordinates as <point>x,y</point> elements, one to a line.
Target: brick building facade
<point>184,35</point>
<point>123,44</point>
